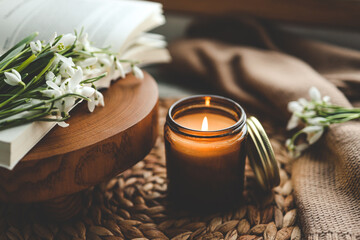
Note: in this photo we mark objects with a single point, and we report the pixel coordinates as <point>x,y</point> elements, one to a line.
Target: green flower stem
<point>295,136</point>
<point>13,97</point>
<point>341,116</point>
<point>94,79</point>
<point>11,112</point>
<point>21,121</point>
<point>348,118</point>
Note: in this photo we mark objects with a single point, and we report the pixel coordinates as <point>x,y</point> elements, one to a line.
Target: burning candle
<point>205,152</point>
<point>206,149</point>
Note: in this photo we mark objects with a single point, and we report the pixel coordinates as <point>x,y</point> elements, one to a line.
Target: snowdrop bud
<point>138,72</point>
<point>88,62</point>
<point>309,114</point>
<point>289,144</point>
<point>326,99</point>
<point>294,106</point>
<point>293,122</point>
<point>298,149</point>
<point>86,91</point>
<point>303,102</point>
<point>315,94</point>
<point>99,98</point>
<point>58,80</point>
<point>35,47</point>
<point>105,60</point>
<point>63,124</point>
<point>313,133</point>
<point>13,78</point>
<point>318,121</point>
<point>120,68</point>
<point>310,129</point>
<point>49,76</point>
<point>66,41</point>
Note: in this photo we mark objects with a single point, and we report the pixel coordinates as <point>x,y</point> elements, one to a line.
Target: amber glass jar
<point>205,168</point>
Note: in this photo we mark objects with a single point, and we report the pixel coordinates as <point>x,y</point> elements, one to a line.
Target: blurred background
<point>336,22</point>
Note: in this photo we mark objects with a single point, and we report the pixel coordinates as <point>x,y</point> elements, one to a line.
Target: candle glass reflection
<point>205,167</point>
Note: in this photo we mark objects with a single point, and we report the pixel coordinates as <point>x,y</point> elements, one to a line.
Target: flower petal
<point>63,124</point>
<point>91,105</point>
<point>314,137</point>
<point>295,106</point>
<point>310,129</point>
<point>11,79</point>
<point>49,76</point>
<point>315,94</point>
<point>138,72</point>
<point>318,121</point>
<point>120,68</point>
<point>293,122</point>
<point>86,91</point>
<point>53,85</point>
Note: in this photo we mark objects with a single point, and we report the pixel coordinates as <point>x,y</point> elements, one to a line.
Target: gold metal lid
<point>261,155</point>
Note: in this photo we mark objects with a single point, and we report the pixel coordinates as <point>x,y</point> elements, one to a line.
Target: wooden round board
<point>95,147</point>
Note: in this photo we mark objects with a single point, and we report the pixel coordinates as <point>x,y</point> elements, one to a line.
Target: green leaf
<point>16,49</point>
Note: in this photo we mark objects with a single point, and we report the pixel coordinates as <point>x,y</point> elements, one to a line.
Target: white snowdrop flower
<point>54,90</point>
<point>66,68</point>
<point>295,106</point>
<point>52,39</point>
<point>317,121</point>
<point>35,47</point>
<point>96,99</point>
<point>50,76</point>
<point>293,122</point>
<point>70,85</point>
<point>13,78</point>
<point>104,60</point>
<point>83,43</point>
<point>315,94</point>
<point>138,72</point>
<point>289,144</point>
<point>75,80</point>
<point>326,99</point>
<point>63,124</point>
<point>65,41</point>
<point>309,114</point>
<point>88,62</point>
<point>298,149</point>
<point>120,67</point>
<point>303,102</point>
<point>86,91</point>
<point>313,133</point>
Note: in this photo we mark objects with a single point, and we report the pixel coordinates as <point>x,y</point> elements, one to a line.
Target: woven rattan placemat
<point>133,205</point>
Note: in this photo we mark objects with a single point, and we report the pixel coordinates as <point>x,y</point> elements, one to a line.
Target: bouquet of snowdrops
<point>316,115</point>
<point>43,81</point>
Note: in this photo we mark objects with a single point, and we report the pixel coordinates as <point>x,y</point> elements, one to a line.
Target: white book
<point>120,24</point>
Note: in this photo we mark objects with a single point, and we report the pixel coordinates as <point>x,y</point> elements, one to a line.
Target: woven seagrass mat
<point>133,205</point>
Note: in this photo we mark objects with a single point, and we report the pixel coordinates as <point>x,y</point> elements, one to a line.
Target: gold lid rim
<point>263,160</point>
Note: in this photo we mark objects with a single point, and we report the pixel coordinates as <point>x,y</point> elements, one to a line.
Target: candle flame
<point>204,126</point>
<point>207,101</point>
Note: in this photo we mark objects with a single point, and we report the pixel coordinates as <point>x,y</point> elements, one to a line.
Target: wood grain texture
<point>323,13</point>
<point>95,147</point>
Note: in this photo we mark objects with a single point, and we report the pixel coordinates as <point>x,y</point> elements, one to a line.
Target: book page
<point>109,23</point>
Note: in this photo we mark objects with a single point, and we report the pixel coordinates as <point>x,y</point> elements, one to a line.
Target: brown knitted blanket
<point>263,69</point>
